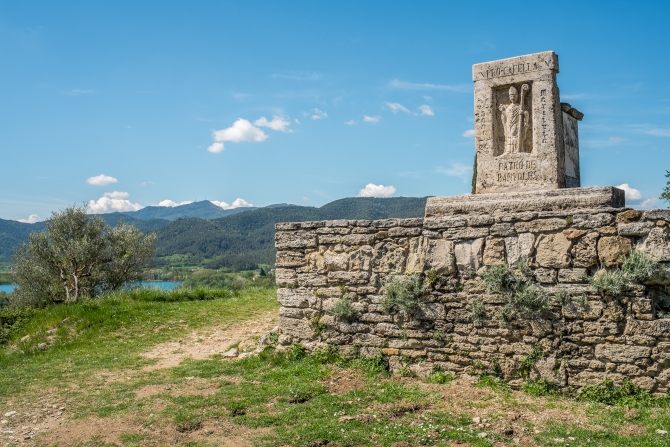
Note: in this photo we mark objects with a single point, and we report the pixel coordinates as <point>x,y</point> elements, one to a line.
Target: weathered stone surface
<point>546,276</point>
<point>573,275</point>
<point>295,239</point>
<point>518,247</point>
<point>286,277</point>
<point>469,255</point>
<point>404,231</point>
<point>573,234</point>
<point>357,239</point>
<point>286,226</point>
<point>557,200</point>
<point>590,221</point>
<point>584,253</point>
<point>336,261</point>
<point>656,244</point>
<point>481,220</point>
<point>621,353</point>
<point>416,259</point>
<point>348,277</point>
<point>553,251</point>
<point>540,225</point>
<point>494,251</point>
<point>296,297</point>
<point>662,214</point>
<point>635,229</point>
<point>613,249</point>
<point>628,216</point>
<point>290,258</point>
<point>361,259</point>
<point>440,256</point>
<point>503,229</point>
<point>390,258</point>
<point>466,233</point>
<point>441,223</point>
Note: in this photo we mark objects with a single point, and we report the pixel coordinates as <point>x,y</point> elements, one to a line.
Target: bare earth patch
<point>204,344</point>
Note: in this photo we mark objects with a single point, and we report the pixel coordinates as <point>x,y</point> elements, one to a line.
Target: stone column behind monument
<point>525,139</point>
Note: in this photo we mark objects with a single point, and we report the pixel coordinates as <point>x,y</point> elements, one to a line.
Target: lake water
<point>164,285</point>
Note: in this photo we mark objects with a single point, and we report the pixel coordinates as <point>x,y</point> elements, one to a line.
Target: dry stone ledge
<point>571,201</point>
<point>585,341</point>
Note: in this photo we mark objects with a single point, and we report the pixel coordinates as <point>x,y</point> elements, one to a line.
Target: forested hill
<point>242,240</point>
<point>245,240</point>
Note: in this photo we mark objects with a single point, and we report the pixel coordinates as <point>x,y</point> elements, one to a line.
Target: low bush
<point>539,387</point>
<point>637,267</point>
<point>343,310</point>
<point>401,293</point>
<point>625,394</point>
<point>11,319</point>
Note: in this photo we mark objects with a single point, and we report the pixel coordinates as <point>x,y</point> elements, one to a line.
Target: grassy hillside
<point>146,369</point>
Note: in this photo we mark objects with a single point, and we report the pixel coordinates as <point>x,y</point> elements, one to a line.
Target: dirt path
<point>47,420</point>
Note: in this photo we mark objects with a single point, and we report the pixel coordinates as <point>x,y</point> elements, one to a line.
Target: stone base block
<point>569,199</point>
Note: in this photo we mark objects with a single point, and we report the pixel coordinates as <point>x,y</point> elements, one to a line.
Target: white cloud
<point>371,119</point>
<point>215,148</point>
<point>372,190</point>
<point>237,203</point>
<point>426,110</point>
<point>427,98</point>
<point>112,201</point>
<point>277,123</point>
<point>101,180</point>
<point>78,92</point>
<point>470,133</point>
<point>306,199</point>
<point>116,195</point>
<point>241,130</point>
<point>172,204</point>
<point>457,170</point>
<point>651,130</point>
<point>631,193</point>
<point>297,121</point>
<point>319,114</point>
<point>649,203</point>
<point>397,107</point>
<point>31,219</point>
<point>396,83</point>
<point>350,122</point>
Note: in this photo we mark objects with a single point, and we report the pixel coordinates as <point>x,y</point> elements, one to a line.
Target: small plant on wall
<point>343,310</point>
<point>401,293</point>
<point>637,267</point>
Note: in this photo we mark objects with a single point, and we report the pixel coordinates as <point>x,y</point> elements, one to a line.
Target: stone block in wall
<point>591,221</point>
<point>635,229</point>
<point>480,220</point>
<point>621,353</point>
<point>573,275</point>
<point>368,340</point>
<point>291,312</point>
<point>441,223</point>
<point>330,239</point>
<point>594,378</point>
<point>389,258</point>
<point>469,255</point>
<point>358,239</point>
<point>287,226</point>
<point>312,280</point>
<point>592,311</point>
<point>336,261</point>
<point>375,318</point>
<point>404,231</point>
<point>416,258</point>
<point>408,343</point>
<point>628,216</point>
<point>523,216</point>
<point>584,253</point>
<point>545,276</point>
<point>297,298</point>
<point>518,247</point>
<point>440,256</point>
<point>339,223</point>
<point>613,249</point>
<point>540,225</point>
<point>295,239</point>
<point>502,229</point>
<point>333,230</point>
<point>298,328</point>
<point>431,311</point>
<point>607,231</point>
<point>290,258</point>
<point>494,251</point>
<point>656,244</point>
<point>553,251</point>
<point>316,262</point>
<point>348,277</point>
<point>312,224</point>
<point>286,277</point>
<point>465,233</point>
<point>361,259</point>
<point>660,214</point>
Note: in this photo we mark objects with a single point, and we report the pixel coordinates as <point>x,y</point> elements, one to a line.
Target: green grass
<point>6,278</point>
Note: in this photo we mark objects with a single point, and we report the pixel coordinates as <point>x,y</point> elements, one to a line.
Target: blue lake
<point>164,285</point>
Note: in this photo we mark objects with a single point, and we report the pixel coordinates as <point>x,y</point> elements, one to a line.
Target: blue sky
<point>136,92</point>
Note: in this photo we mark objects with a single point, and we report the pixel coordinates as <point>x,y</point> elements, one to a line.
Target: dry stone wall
<point>615,337</point>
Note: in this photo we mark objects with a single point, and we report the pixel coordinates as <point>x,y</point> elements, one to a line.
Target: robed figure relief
<point>515,120</point>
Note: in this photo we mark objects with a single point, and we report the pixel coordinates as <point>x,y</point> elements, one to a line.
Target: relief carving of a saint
<point>515,120</point>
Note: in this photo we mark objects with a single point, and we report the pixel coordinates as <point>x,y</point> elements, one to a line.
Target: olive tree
<point>78,256</point>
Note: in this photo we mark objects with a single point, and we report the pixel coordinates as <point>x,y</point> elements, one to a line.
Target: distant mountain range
<point>242,238</point>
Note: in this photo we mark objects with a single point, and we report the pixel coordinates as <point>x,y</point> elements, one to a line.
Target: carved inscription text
<point>509,70</point>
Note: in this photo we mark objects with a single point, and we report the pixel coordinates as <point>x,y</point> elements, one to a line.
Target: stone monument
<point>528,207</point>
<point>526,140</point>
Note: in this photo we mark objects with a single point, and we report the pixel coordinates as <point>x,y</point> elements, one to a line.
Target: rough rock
<point>518,247</point>
<point>628,216</point>
<point>440,256</point>
<point>613,249</point>
<point>656,244</point>
<point>469,255</point>
<point>553,251</point>
<point>584,253</point>
<point>494,251</point>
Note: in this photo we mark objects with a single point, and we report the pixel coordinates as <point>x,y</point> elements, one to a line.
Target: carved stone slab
<point>572,199</point>
<point>519,126</point>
